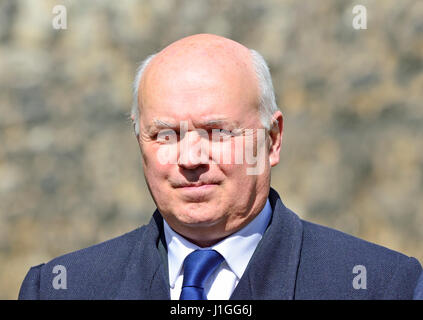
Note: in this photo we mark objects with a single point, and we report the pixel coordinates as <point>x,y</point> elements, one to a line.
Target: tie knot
<point>199,265</point>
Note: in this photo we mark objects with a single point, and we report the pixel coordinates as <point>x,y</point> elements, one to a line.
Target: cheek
<point>228,152</point>
<point>154,171</point>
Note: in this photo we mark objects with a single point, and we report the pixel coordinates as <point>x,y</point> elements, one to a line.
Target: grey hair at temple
<point>267,100</point>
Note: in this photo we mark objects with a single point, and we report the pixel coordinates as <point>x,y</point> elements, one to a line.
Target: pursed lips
<point>195,185</point>
<point>196,192</point>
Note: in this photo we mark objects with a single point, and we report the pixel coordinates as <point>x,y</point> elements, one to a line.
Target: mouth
<point>196,185</point>
<point>197,192</point>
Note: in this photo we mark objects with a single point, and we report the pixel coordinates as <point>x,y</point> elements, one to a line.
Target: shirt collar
<point>237,248</point>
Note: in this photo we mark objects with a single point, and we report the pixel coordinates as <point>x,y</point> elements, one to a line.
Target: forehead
<point>199,85</point>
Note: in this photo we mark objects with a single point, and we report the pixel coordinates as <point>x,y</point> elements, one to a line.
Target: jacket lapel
<point>145,275</point>
<point>272,270</point>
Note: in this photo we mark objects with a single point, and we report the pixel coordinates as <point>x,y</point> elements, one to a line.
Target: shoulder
<point>95,266</point>
<point>104,253</point>
<point>338,259</point>
<point>320,237</point>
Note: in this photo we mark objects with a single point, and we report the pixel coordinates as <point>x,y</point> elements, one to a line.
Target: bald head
<point>204,49</point>
<point>202,54</point>
<point>200,61</point>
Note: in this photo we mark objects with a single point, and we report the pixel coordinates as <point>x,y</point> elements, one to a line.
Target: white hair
<point>267,100</point>
<point>135,112</point>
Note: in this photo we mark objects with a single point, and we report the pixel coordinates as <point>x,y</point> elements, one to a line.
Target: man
<point>209,131</point>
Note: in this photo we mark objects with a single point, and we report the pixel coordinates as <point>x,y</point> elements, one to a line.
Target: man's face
<point>208,199</point>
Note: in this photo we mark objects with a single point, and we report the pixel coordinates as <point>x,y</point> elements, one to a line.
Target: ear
<point>275,134</point>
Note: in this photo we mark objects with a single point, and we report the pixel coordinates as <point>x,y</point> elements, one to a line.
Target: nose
<point>194,149</point>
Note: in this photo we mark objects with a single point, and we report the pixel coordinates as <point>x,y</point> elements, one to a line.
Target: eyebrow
<point>210,123</point>
<point>163,124</point>
<point>213,122</point>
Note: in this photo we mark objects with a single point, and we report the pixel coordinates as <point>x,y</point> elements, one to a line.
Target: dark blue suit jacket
<point>418,293</point>
<point>294,260</point>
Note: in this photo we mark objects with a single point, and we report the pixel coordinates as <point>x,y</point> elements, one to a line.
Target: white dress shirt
<point>237,250</point>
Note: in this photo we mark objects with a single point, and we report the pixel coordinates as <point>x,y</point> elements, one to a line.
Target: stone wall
<point>70,168</point>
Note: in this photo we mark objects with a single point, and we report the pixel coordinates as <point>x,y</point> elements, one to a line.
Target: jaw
<point>215,223</point>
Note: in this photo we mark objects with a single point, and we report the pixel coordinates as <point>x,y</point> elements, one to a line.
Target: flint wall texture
<point>70,168</point>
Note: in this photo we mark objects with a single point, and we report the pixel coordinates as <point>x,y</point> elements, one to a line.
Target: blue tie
<point>198,266</point>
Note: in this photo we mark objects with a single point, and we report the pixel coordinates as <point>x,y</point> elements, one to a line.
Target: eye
<point>166,135</point>
<point>223,132</point>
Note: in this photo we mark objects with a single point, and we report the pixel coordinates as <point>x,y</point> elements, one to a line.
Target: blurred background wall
<point>70,168</point>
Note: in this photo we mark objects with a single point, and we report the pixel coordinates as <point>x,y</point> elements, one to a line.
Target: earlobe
<point>276,138</point>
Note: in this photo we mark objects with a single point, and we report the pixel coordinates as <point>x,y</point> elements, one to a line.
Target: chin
<point>197,215</point>
<point>203,220</point>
